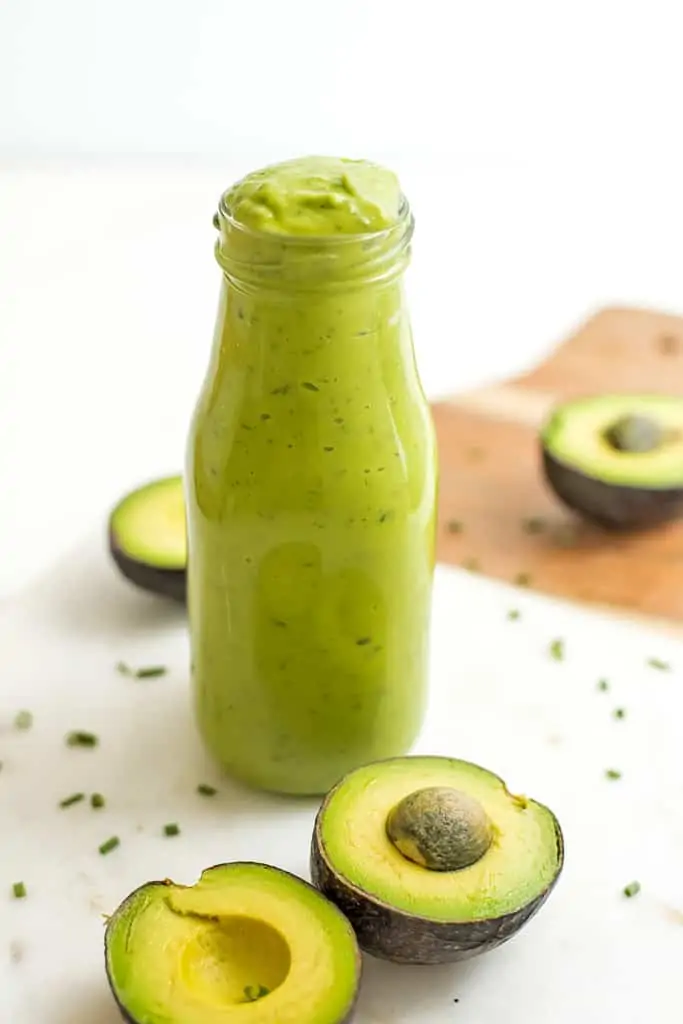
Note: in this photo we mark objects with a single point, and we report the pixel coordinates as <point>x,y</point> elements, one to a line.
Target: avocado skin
<point>131,896</point>
<point>612,506</point>
<point>171,583</point>
<point>390,934</point>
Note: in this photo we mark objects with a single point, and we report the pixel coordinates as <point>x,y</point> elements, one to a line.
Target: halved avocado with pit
<point>617,460</point>
<point>147,537</point>
<point>432,859</point>
<point>247,943</point>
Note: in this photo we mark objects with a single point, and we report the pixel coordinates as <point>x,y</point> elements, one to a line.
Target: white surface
<point>498,698</point>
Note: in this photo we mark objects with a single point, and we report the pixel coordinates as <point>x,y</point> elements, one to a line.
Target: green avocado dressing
<point>311,483</point>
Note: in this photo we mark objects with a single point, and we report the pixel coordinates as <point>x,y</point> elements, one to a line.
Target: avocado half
<point>147,537</point>
<point>617,460</point>
<point>370,856</point>
<point>247,942</point>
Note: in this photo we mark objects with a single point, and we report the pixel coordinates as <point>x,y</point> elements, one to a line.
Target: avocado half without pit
<point>617,460</point>
<point>247,942</point>
<point>432,859</point>
<point>147,538</point>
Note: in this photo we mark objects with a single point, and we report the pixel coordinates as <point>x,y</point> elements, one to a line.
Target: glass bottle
<point>311,504</point>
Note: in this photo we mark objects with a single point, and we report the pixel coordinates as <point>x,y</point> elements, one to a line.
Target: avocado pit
<point>636,434</point>
<point>440,828</point>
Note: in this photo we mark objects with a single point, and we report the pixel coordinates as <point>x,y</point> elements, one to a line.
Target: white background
<point>538,141</point>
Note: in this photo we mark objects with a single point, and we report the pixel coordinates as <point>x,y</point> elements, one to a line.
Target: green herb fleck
<point>172,829</point>
<point>206,790</point>
<point>79,738</point>
<point>23,720</point>
<point>151,672</point>
<point>254,992</point>
<point>471,564</point>
<point>454,526</point>
<point>310,386</point>
<point>146,672</point>
<point>619,713</point>
<point>363,641</point>
<point>632,889</point>
<point>523,579</point>
<point>533,524</point>
<point>97,801</point>
<point>612,773</point>
<point>514,614</point>
<point>19,891</point>
<point>603,685</point>
<point>68,801</point>
<point>661,666</point>
<point>556,650</point>
<point>109,845</point>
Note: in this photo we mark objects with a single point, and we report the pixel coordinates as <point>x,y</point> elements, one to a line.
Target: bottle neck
<point>291,265</point>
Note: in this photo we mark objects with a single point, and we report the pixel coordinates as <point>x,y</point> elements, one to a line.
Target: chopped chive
<point>612,773</point>
<point>523,579</point>
<point>109,845</point>
<point>533,524</point>
<point>19,891</point>
<point>556,650</point>
<point>171,829</point>
<point>661,666</point>
<point>96,800</point>
<point>79,738</point>
<point>603,685</point>
<point>619,713</point>
<point>310,386</point>
<point>254,992</point>
<point>68,801</point>
<point>632,889</point>
<point>454,526</point>
<point>23,720</point>
<point>514,614</point>
<point>151,671</point>
<point>206,790</point>
<point>146,672</point>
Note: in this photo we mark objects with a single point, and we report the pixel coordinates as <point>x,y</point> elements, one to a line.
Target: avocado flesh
<point>576,435</point>
<point>594,476</point>
<point>147,537</point>
<point>247,942</point>
<point>407,913</point>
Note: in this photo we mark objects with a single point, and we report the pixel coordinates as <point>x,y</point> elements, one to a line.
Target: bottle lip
<point>404,220</point>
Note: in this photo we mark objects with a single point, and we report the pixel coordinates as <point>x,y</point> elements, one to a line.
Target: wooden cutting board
<point>498,517</point>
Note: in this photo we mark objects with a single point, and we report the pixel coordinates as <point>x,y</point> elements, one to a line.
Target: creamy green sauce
<point>317,196</point>
<point>311,500</point>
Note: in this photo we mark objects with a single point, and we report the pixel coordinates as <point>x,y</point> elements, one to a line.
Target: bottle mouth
<point>249,257</point>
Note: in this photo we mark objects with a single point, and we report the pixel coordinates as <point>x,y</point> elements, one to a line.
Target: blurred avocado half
<point>617,460</point>
<point>147,537</point>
